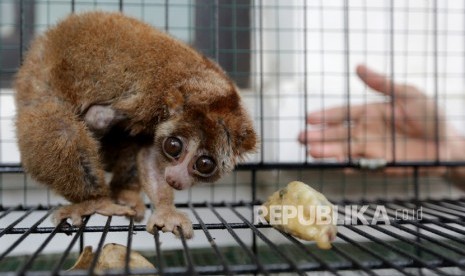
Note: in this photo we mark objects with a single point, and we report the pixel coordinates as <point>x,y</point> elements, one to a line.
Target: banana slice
<point>113,256</point>
<point>302,212</point>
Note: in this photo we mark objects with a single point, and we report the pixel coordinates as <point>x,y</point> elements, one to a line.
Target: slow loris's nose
<point>173,182</point>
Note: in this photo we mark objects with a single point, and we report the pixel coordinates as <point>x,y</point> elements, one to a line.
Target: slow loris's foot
<point>132,199</point>
<point>168,220</point>
<point>104,206</point>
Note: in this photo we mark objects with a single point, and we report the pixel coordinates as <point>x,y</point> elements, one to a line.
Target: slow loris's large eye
<point>172,147</point>
<point>205,165</point>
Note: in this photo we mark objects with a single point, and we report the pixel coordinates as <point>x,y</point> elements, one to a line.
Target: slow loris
<point>102,91</point>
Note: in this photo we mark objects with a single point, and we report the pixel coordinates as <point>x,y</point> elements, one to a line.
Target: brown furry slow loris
<point>102,91</point>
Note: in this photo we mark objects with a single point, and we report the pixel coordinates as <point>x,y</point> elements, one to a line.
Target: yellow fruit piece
<point>113,256</point>
<point>302,212</point>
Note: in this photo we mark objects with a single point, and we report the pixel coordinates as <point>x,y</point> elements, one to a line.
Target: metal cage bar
<point>405,253</point>
<point>434,243</point>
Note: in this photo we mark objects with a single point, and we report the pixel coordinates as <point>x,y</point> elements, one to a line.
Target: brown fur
<point>155,85</point>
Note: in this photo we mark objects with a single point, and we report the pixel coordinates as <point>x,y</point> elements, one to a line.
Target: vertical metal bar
<point>451,204</point>
<point>291,263</point>
<point>439,207</point>
<point>160,264</point>
<point>1,176</point>
<point>443,210</point>
<point>99,247</point>
<point>261,80</point>
<point>248,252</point>
<point>373,253</point>
<point>406,47</point>
<point>216,31</point>
<point>81,243</point>
<point>234,40</point>
<point>187,254</point>
<point>254,185</point>
<point>305,81</point>
<point>277,78</point>
<point>216,55</point>
<point>416,244</point>
<point>73,6</point>
<point>212,242</point>
<point>29,262</point>
<point>306,250</point>
<point>55,270</point>
<point>25,235</point>
<point>365,94</point>
<point>120,5</point>
<point>24,189</point>
<point>435,72</point>
<point>347,78</point>
<point>234,192</point>
<point>416,187</point>
<point>9,227</point>
<point>440,215</point>
<point>433,240</point>
<point>354,261</point>
<point>416,184</point>
<point>322,77</point>
<point>392,92</point>
<point>420,236</point>
<point>4,214</point>
<point>22,21</point>
<point>348,92</point>
<point>127,270</point>
<point>372,237</point>
<point>254,199</point>
<point>433,221</point>
<point>302,247</point>
<point>402,252</point>
<point>167,21</point>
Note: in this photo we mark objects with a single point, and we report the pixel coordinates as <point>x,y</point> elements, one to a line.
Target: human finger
<point>338,150</point>
<point>327,150</point>
<point>333,133</point>
<point>381,83</point>
<point>336,115</point>
<point>391,171</point>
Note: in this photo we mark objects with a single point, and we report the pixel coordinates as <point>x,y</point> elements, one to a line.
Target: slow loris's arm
<point>165,217</point>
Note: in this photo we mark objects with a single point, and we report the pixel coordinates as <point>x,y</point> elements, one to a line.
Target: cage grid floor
<point>433,243</point>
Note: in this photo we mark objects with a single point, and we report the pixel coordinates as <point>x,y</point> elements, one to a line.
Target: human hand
<point>419,133</point>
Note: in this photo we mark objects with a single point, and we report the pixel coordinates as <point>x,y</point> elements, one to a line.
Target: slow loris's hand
<point>168,220</point>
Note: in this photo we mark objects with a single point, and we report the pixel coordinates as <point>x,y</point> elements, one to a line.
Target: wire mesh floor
<point>432,243</point>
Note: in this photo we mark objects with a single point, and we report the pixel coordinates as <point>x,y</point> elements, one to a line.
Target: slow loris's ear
<point>245,138</point>
<point>249,140</point>
<point>174,102</point>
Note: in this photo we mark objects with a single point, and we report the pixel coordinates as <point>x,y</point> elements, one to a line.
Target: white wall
<point>369,42</point>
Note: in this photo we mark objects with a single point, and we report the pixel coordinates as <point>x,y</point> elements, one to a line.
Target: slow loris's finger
<point>335,115</point>
<point>76,219</point>
<point>333,133</point>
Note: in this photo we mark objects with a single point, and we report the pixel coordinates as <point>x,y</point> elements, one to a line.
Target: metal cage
<point>289,58</point>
